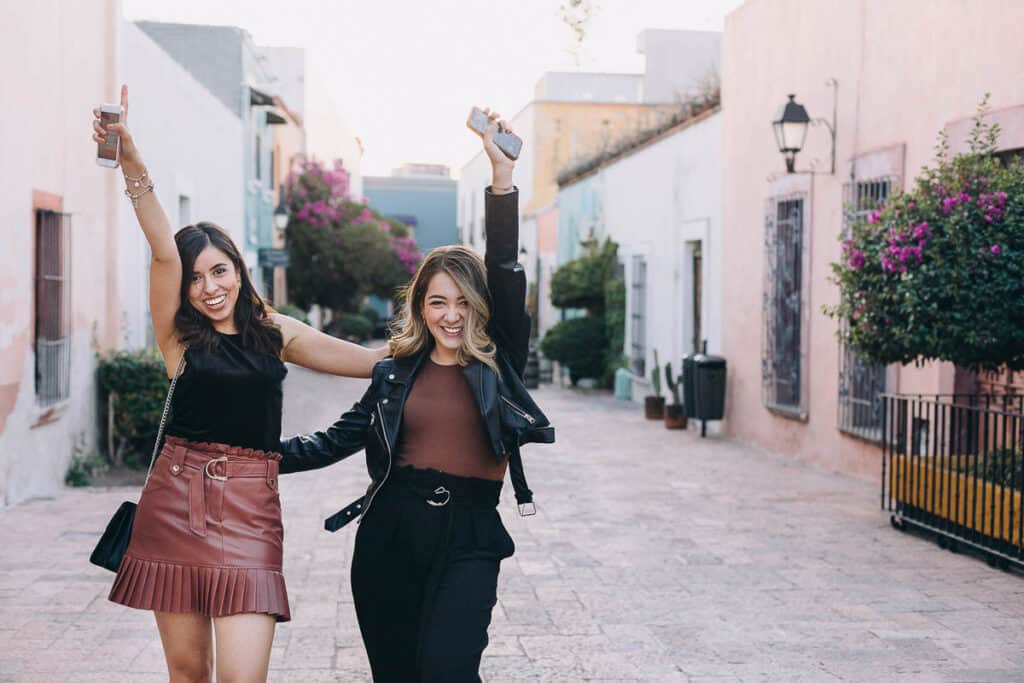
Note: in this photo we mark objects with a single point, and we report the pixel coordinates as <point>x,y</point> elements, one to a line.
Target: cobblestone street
<point>654,556</point>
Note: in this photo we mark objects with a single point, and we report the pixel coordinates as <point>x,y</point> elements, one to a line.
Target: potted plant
<point>654,404</point>
<point>675,417</point>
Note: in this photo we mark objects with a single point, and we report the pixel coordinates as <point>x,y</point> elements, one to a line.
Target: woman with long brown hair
<point>442,422</point>
<point>206,547</point>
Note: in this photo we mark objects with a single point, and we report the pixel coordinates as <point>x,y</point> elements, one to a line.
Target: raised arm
<point>506,279</point>
<point>165,264</point>
<point>310,348</point>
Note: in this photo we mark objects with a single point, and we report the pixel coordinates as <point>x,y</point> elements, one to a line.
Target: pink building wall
<point>905,71</point>
<point>66,63</point>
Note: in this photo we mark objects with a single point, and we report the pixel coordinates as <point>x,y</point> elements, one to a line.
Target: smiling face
<point>214,285</point>
<point>445,310</point>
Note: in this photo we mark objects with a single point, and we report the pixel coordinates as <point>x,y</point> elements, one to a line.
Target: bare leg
<point>243,647</point>
<point>188,646</point>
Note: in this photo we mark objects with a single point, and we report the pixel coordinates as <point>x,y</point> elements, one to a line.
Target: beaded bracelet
<point>135,197</point>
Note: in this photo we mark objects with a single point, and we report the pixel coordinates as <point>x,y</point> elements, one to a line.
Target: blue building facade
<point>426,203</point>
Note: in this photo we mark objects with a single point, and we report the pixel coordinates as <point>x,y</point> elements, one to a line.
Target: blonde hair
<point>410,334</point>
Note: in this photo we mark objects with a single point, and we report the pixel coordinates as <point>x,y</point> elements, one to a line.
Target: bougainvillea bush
<point>341,250</point>
<point>938,272</point>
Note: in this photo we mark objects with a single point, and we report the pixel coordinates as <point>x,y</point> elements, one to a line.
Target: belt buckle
<point>437,492</point>
<point>210,474</point>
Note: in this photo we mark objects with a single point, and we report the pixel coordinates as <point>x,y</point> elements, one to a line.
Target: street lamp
<point>790,125</point>
<point>791,122</point>
<point>281,213</point>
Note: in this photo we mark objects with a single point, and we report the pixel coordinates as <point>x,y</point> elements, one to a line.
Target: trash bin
<point>709,387</point>
<point>623,384</point>
<point>531,376</point>
<point>689,402</point>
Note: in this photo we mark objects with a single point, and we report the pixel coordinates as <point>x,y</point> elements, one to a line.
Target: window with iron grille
<point>861,383</point>
<point>638,318</point>
<point>781,362</point>
<point>53,307</point>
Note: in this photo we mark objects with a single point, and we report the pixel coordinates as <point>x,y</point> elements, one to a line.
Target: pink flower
<point>873,217</point>
<point>856,260</point>
<point>996,249</point>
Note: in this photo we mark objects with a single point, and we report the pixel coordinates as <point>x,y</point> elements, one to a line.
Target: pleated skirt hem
<point>210,591</point>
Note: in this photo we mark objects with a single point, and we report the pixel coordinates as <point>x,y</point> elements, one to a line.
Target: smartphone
<point>509,143</point>
<point>108,153</point>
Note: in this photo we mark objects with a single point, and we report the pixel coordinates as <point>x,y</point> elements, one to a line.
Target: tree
<point>341,250</point>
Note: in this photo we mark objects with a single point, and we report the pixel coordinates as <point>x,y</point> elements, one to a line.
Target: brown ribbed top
<point>442,428</point>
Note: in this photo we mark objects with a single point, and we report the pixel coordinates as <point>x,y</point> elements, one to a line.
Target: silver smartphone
<point>509,143</point>
<point>108,153</point>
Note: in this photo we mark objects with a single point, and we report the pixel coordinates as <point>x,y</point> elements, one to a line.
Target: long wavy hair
<point>410,334</point>
<point>258,331</point>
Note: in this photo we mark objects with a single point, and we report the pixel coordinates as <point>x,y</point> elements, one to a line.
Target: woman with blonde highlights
<point>410,334</point>
<point>442,423</point>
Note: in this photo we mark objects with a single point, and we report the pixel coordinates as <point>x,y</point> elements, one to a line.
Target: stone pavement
<point>654,556</point>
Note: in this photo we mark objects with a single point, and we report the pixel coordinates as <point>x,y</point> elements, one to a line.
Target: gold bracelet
<point>135,197</point>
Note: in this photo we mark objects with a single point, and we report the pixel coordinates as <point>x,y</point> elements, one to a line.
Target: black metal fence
<point>954,465</point>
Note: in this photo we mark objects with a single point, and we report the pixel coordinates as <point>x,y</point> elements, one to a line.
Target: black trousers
<point>425,575</point>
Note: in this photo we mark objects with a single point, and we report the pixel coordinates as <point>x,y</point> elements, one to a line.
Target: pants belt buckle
<point>210,474</point>
<point>439,491</point>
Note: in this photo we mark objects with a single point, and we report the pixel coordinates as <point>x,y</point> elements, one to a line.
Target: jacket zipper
<point>522,413</point>
<point>387,445</point>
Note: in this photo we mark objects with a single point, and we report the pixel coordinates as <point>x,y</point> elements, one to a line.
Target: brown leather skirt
<point>207,535</point>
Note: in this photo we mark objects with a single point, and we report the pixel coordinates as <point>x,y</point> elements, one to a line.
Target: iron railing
<point>953,464</point>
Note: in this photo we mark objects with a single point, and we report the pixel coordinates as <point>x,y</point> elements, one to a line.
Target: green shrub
<point>293,312</point>
<point>351,326</point>
<point>370,313</point>
<point>84,465</point>
<point>134,384</point>
<point>615,327</point>
<point>580,344</point>
<point>580,283</point>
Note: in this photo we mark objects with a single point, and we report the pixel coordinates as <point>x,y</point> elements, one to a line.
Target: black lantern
<point>790,125</point>
<point>281,213</point>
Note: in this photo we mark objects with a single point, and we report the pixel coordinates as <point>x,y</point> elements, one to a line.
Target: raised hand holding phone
<point>496,134</point>
<point>110,129</point>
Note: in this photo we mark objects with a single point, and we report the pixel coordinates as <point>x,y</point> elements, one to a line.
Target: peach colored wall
<point>66,57</point>
<point>905,71</point>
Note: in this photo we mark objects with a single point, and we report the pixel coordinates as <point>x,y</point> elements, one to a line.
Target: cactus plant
<point>656,376</point>
<point>673,384</point>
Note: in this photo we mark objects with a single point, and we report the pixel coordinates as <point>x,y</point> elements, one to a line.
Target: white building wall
<point>658,202</point>
<point>192,144</point>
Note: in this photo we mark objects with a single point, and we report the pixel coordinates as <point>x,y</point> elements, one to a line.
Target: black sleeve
<point>506,280</point>
<point>320,449</point>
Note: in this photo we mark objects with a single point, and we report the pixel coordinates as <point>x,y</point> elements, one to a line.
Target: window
<point>782,373</point>
<point>698,296</point>
<point>258,154</point>
<point>53,307</point>
<point>638,343</point>
<point>184,210</point>
<point>861,383</point>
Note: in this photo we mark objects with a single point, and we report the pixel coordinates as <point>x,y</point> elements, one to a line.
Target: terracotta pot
<point>654,407</point>
<point>675,417</point>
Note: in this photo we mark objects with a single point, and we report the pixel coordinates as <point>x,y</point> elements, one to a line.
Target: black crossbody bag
<point>114,541</point>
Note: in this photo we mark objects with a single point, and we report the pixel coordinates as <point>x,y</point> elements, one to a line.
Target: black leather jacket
<point>509,413</point>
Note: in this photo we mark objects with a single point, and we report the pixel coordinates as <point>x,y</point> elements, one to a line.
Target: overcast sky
<point>404,73</point>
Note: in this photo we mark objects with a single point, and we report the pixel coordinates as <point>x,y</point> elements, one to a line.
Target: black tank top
<point>231,395</point>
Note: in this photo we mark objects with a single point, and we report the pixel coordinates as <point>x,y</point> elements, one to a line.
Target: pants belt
<point>439,489</point>
<point>219,469</point>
